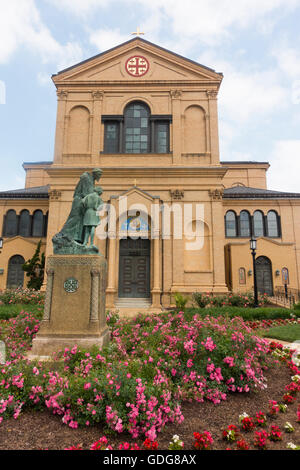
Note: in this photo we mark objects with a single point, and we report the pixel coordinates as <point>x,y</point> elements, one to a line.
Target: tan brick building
<point>148,117</point>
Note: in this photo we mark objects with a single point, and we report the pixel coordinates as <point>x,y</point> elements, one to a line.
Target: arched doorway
<point>134,268</point>
<point>15,274</point>
<point>264,275</point>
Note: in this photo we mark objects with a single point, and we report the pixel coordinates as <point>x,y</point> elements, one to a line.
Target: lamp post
<point>253,244</point>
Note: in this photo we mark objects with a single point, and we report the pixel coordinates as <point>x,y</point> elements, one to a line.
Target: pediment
<point>160,65</point>
<point>136,194</point>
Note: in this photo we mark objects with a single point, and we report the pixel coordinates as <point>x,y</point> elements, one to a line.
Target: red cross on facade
<point>137,66</point>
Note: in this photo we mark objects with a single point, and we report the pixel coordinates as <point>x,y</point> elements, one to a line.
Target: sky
<point>255,43</point>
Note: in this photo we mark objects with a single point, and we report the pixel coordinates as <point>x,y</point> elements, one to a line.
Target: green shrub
<point>234,300</point>
<point>180,301</point>
<point>262,313</point>
<point>201,299</point>
<point>13,310</point>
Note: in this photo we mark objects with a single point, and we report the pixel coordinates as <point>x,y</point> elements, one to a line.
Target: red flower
<point>242,445</point>
<point>247,424</point>
<point>260,439</point>
<point>275,433</point>
<point>203,441</point>
<point>150,445</point>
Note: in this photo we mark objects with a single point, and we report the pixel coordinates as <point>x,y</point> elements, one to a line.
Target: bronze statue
<point>91,204</point>
<point>70,240</point>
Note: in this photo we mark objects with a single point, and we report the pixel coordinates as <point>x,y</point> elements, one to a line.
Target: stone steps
<point>129,307</point>
<point>136,303</point>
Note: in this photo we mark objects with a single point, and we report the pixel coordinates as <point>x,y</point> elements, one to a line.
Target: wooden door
<point>264,275</point>
<point>134,268</point>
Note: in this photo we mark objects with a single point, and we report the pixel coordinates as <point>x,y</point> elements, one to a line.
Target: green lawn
<point>284,333</point>
<point>12,310</point>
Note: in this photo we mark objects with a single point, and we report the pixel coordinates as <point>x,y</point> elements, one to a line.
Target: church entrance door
<point>264,275</point>
<point>134,268</point>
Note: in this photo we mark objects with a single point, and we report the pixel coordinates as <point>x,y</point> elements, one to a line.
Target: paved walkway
<point>286,344</point>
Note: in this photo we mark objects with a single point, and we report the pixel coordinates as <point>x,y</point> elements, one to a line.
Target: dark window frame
<point>120,121</point>
<point>277,225</point>
<point>263,223</point>
<point>236,225</point>
<point>239,224</point>
<point>41,222</point>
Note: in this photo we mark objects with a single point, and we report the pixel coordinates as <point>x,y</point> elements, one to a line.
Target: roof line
<point>128,42</point>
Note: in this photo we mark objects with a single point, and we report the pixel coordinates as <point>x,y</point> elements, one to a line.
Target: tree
<point>34,269</point>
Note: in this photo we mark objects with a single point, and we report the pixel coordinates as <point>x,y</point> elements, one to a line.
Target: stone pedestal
<point>74,306</point>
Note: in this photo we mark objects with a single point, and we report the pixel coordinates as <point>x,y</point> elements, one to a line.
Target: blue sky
<point>255,43</point>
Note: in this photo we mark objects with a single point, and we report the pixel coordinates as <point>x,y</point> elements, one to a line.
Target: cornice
<point>201,172</point>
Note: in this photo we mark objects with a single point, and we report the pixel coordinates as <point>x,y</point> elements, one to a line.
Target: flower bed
<point>22,296</point>
<point>138,384</point>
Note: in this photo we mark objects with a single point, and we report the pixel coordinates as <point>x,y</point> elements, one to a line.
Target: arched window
<point>258,224</point>
<point>245,224</point>
<point>230,224</point>
<point>272,223</point>
<point>38,224</point>
<point>25,224</point>
<point>137,130</point>
<point>15,273</point>
<point>11,224</point>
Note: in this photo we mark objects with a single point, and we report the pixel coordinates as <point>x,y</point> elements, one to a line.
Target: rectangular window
<point>161,137</point>
<point>111,139</point>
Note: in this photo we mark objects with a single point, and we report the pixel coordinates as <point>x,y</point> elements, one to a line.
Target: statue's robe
<point>73,227</point>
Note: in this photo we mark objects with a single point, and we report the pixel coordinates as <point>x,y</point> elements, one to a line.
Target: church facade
<point>182,217</point>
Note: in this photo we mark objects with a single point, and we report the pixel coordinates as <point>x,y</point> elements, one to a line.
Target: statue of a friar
<point>70,239</point>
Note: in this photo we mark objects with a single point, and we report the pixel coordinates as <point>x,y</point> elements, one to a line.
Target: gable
<point>151,62</point>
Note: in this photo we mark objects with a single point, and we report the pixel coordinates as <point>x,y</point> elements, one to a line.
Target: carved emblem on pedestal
<point>71,285</point>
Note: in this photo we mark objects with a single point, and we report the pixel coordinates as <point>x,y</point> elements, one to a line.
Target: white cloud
<point>208,21</point>
<point>105,39</point>
<point>247,93</point>
<point>283,174</point>
<point>21,26</point>
<point>79,7</point>
<point>212,21</point>
<point>44,79</point>
<point>288,60</point>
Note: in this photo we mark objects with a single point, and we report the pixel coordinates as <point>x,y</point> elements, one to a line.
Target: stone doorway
<point>134,268</point>
<point>264,275</point>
